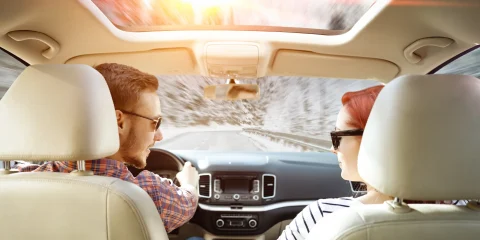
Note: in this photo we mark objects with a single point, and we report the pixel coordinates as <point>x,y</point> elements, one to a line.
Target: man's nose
<point>158,136</point>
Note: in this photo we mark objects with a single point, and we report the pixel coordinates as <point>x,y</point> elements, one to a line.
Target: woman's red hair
<point>359,105</point>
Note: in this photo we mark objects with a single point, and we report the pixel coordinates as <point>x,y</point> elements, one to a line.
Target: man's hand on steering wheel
<point>188,175</point>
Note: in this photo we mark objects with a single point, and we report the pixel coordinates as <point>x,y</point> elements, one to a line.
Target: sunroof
<point>307,16</point>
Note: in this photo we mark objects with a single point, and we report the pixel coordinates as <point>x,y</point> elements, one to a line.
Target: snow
<point>298,105</point>
<point>267,145</point>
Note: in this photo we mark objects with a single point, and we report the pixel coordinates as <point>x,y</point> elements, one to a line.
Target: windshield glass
<point>292,114</point>
<point>151,15</point>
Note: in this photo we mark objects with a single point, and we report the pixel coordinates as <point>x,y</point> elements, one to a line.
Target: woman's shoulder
<point>330,205</point>
<point>337,202</point>
<point>308,217</point>
<point>340,199</point>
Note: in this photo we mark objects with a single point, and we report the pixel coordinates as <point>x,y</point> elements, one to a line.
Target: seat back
<point>65,112</point>
<point>420,143</point>
<point>63,206</point>
<point>379,222</point>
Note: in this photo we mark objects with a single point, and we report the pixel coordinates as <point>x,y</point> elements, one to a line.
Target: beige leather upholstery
<point>62,206</point>
<point>377,222</point>
<point>424,129</point>
<point>65,112</point>
<point>421,143</point>
<point>58,112</point>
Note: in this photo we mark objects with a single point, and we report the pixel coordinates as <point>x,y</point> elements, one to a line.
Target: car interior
<point>55,106</point>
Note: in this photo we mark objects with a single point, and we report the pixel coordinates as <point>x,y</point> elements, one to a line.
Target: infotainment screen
<point>236,186</point>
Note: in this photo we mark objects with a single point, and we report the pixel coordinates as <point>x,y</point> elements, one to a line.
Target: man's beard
<point>129,156</point>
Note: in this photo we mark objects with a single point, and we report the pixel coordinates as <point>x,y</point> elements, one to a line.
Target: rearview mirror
<point>232,92</point>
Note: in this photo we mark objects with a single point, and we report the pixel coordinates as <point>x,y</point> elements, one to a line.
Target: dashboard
<point>246,193</point>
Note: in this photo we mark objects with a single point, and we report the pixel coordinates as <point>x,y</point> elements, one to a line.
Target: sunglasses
<point>337,136</point>
<point>156,121</point>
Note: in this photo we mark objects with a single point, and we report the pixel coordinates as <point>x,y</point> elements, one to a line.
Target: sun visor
<point>298,63</point>
<point>179,60</point>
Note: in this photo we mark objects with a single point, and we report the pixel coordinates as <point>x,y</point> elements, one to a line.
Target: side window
<point>10,68</point>
<point>465,64</point>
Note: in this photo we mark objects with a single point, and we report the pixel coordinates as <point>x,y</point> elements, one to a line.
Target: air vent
<point>358,187</point>
<point>205,185</point>
<point>269,182</point>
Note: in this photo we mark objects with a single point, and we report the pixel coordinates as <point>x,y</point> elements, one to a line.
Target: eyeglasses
<point>156,121</point>
<point>337,136</point>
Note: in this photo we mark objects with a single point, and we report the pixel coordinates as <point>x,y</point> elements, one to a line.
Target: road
<point>212,141</point>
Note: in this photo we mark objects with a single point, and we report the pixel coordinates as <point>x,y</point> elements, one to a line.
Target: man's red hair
<point>126,84</point>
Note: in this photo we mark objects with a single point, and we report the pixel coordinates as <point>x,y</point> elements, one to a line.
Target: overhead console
<point>234,59</point>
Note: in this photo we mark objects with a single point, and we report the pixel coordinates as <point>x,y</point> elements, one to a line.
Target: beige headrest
<point>58,112</point>
<point>422,140</point>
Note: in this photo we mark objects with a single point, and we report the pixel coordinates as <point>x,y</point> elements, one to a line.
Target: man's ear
<point>120,120</point>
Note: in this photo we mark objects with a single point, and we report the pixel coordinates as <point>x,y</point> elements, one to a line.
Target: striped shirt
<point>301,225</point>
<point>176,205</point>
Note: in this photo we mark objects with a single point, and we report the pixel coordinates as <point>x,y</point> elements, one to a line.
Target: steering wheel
<point>180,163</point>
<point>162,161</point>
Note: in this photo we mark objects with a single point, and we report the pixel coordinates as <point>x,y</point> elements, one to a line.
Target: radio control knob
<point>220,223</point>
<point>252,223</point>
<point>236,196</point>
<point>217,196</point>
<point>255,197</point>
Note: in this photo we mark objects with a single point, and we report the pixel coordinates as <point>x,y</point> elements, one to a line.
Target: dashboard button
<point>216,186</point>
<point>256,186</point>
<point>217,196</point>
<point>236,196</point>
<point>252,223</point>
<point>255,197</point>
<point>220,223</point>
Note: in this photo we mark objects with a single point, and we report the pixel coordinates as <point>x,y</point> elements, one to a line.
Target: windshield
<point>265,15</point>
<point>292,114</point>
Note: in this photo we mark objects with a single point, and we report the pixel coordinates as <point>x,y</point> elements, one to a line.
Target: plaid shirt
<point>176,205</point>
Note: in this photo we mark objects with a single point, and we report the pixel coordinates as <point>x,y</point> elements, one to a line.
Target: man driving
<point>138,118</point>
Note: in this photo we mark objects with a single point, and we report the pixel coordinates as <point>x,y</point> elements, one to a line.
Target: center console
<point>235,221</point>
<point>231,192</point>
<point>235,189</point>
<point>225,188</point>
